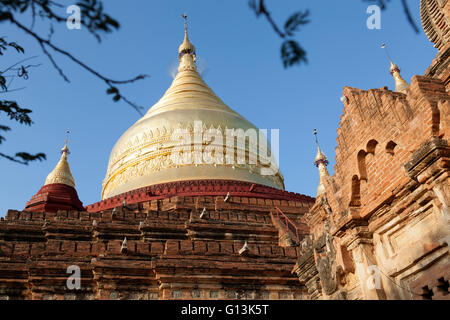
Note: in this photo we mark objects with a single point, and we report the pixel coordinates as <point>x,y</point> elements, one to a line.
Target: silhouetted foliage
<point>12,109</point>
<point>291,51</point>
<point>383,5</point>
<point>97,22</point>
<point>294,21</point>
<point>92,18</point>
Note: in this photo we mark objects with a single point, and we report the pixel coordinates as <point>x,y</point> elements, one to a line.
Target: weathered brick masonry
<point>382,228</point>
<point>171,252</point>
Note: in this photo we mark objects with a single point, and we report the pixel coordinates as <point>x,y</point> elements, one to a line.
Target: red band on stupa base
<point>54,197</point>
<point>198,188</point>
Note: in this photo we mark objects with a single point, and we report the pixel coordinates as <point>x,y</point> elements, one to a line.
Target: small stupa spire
<point>186,51</point>
<point>321,161</point>
<point>400,84</point>
<point>58,191</point>
<point>61,173</point>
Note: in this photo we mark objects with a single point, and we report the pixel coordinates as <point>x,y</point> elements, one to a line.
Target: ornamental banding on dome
<point>167,139</point>
<point>149,152</point>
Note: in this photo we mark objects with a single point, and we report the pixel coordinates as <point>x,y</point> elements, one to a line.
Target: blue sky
<point>241,58</point>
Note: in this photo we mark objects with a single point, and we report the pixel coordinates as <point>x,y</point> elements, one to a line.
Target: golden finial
<point>386,50</point>
<point>184,15</point>
<point>61,173</point>
<point>320,157</point>
<point>186,47</point>
<point>186,51</point>
<point>67,135</point>
<point>321,161</point>
<point>400,84</point>
<point>65,149</point>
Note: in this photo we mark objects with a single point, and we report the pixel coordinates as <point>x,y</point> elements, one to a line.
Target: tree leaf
<point>17,47</point>
<point>294,21</point>
<point>112,90</point>
<point>4,128</point>
<point>292,53</point>
<point>26,157</point>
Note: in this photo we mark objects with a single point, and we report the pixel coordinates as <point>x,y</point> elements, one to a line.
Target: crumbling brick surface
<point>170,253</point>
<point>385,214</point>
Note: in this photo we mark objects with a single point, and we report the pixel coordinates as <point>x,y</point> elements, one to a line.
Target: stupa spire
<point>400,84</point>
<point>186,51</point>
<point>61,173</point>
<point>321,161</point>
<point>58,192</point>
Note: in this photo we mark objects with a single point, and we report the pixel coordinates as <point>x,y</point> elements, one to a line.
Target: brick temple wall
<point>435,16</point>
<point>382,229</point>
<point>171,252</point>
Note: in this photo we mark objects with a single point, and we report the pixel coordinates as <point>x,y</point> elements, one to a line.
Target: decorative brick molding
<point>171,253</point>
<point>199,188</point>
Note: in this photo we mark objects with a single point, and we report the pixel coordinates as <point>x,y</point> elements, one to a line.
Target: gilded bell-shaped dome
<point>144,154</point>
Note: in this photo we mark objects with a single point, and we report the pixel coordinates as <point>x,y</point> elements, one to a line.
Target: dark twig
<point>33,15</point>
<point>55,65</point>
<point>108,81</point>
<point>12,90</point>
<point>291,51</point>
<point>383,6</point>
<point>70,56</point>
<point>17,63</point>
<point>25,156</point>
<point>261,9</point>
<point>409,16</point>
<point>12,158</point>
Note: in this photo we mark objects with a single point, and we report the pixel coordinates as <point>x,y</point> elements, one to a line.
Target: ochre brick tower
<point>380,226</point>
<point>378,229</point>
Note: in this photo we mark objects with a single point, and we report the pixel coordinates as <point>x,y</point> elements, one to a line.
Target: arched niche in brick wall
<point>355,198</point>
<point>361,157</point>
<point>390,147</point>
<point>371,146</point>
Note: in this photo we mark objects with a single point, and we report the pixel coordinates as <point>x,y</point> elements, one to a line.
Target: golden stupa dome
<point>143,155</point>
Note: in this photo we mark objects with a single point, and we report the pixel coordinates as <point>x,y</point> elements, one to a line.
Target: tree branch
<point>26,157</point>
<point>110,82</point>
<point>17,63</point>
<point>383,5</point>
<point>409,16</point>
<point>55,65</point>
<point>261,9</point>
